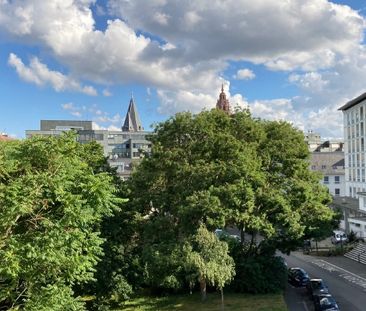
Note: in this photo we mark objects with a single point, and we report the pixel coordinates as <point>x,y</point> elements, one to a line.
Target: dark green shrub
<point>258,274</point>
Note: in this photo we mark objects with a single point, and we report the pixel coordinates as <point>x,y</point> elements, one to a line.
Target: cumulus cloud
<point>297,34</point>
<point>39,74</point>
<point>72,109</point>
<point>97,126</point>
<point>244,74</point>
<point>181,48</point>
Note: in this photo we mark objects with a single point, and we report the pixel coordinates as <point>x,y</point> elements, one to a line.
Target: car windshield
<point>303,274</point>
<point>318,285</point>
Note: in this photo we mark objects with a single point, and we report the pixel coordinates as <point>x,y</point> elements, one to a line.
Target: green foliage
<point>217,170</point>
<point>207,259</point>
<point>258,274</point>
<point>352,236</point>
<point>53,197</point>
<point>234,170</point>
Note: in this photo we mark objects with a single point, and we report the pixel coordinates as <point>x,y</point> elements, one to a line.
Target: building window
<point>313,167</point>
<point>326,179</point>
<point>337,191</point>
<point>336,179</point>
<point>324,167</point>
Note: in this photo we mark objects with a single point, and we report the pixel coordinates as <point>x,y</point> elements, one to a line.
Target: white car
<point>339,237</point>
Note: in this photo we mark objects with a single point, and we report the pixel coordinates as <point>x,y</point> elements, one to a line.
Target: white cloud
<point>244,74</point>
<point>296,33</point>
<point>72,109</point>
<point>107,93</point>
<point>39,74</point>
<point>97,126</point>
<point>321,40</point>
<point>310,81</point>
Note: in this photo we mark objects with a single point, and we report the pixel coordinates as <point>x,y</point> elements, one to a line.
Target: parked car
<point>325,302</point>
<point>339,237</point>
<point>298,277</point>
<point>316,287</point>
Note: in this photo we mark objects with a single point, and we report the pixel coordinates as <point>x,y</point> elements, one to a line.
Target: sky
<point>290,60</point>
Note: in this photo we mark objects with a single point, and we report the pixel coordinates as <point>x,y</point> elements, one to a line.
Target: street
<point>346,283</point>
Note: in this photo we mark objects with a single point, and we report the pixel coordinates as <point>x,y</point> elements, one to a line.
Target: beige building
<point>327,158</point>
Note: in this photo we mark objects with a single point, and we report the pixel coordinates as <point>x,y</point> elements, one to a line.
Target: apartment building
<point>354,118</point>
<point>327,158</point>
<point>124,148</point>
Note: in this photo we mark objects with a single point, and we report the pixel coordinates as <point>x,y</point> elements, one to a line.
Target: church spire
<point>223,102</point>
<point>132,121</point>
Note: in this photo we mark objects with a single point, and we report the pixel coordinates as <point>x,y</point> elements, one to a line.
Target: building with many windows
<point>124,148</point>
<point>354,118</point>
<point>327,158</point>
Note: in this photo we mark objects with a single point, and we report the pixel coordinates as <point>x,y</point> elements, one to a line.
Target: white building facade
<point>354,119</point>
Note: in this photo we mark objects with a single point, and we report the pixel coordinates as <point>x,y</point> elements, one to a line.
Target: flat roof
<point>353,102</point>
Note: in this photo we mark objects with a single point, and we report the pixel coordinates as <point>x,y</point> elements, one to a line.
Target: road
<point>347,287</point>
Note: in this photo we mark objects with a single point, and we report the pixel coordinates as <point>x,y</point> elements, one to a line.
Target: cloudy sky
<point>293,60</point>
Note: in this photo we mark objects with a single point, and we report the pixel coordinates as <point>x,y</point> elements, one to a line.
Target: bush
<point>352,237</point>
<point>258,274</point>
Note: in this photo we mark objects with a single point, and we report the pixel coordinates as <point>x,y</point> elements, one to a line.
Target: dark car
<point>298,277</point>
<point>325,302</point>
<point>317,287</point>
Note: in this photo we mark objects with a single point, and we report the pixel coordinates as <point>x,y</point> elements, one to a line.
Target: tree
<point>207,261</point>
<point>53,197</point>
<point>222,170</point>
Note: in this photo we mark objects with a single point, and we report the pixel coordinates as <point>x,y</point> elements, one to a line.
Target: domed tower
<point>223,102</point>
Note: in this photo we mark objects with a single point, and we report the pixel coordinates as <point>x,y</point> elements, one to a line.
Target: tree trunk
<point>252,242</point>
<point>222,299</point>
<point>316,245</point>
<point>242,236</point>
<point>203,288</point>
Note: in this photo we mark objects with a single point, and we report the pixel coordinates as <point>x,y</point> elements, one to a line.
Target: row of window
<point>324,167</point>
<point>337,179</point>
<point>356,225</point>
<point>356,145</point>
<point>120,155</point>
<point>355,115</point>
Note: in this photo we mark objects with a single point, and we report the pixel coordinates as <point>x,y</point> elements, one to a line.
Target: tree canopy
<point>228,170</point>
<point>53,197</point>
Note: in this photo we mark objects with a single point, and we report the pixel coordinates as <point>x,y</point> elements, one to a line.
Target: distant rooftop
<point>50,125</point>
<point>5,137</point>
<point>353,102</point>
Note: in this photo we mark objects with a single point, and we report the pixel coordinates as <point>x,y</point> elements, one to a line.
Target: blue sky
<point>296,61</point>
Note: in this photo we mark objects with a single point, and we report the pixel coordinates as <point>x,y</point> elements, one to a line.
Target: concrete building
<point>124,148</point>
<point>354,119</point>
<point>327,158</point>
<point>5,137</point>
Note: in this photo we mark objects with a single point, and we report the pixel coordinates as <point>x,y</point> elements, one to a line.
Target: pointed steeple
<point>223,102</point>
<point>132,121</point>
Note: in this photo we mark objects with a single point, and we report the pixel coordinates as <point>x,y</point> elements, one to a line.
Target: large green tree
<point>54,194</point>
<point>228,170</point>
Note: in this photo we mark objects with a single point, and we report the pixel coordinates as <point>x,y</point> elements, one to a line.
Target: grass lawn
<point>233,302</point>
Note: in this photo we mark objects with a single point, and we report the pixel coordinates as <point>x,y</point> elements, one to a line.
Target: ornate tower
<point>132,120</point>
<point>223,102</point>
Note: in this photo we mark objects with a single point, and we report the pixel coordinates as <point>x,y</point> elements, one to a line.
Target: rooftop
<point>353,102</point>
